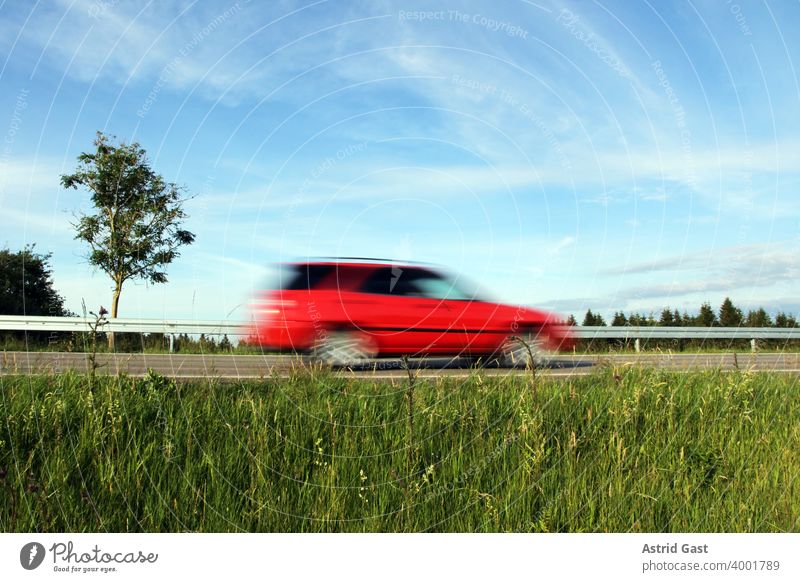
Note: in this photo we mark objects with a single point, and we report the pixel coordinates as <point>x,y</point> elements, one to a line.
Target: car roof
<point>359,262</point>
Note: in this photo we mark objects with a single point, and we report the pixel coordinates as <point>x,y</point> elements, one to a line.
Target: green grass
<point>625,449</point>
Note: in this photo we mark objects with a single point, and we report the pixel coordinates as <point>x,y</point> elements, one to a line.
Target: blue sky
<point>604,155</point>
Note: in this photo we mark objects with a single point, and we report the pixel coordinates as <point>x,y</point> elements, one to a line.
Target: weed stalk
<point>99,321</point>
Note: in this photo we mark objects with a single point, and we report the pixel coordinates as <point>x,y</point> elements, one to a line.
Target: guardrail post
<point>753,345</point>
<point>171,343</point>
<point>637,345</point>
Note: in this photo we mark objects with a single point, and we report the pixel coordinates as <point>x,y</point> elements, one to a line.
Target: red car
<point>347,311</point>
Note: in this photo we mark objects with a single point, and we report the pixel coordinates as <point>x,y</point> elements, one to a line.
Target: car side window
<point>397,281</point>
<point>436,287</point>
<point>341,278</point>
<point>405,282</point>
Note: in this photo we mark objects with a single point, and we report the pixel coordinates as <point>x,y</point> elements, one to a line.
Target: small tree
<point>729,314</point>
<point>758,318</point>
<point>636,320</point>
<point>135,231</point>
<point>667,318</point>
<point>619,319</point>
<point>706,317</point>
<point>593,319</point>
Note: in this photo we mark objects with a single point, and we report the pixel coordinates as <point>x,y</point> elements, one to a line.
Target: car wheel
<point>343,349</point>
<point>523,351</point>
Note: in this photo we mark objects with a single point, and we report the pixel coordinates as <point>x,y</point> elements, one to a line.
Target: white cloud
<point>780,259</point>
<point>21,176</point>
<point>657,194</point>
<point>561,245</point>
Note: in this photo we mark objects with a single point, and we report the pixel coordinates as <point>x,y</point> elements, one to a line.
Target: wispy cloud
<point>778,260</point>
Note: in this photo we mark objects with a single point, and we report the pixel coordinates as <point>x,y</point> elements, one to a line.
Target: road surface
<point>239,366</point>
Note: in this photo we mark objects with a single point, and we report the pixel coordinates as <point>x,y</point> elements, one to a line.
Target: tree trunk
<point>114,309</point>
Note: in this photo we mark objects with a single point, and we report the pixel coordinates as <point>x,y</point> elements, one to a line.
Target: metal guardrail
<point>210,327</point>
<point>170,328</point>
<point>639,333</point>
<point>696,333</point>
<point>120,325</point>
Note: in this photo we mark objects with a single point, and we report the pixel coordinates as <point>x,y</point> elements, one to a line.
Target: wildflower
<point>362,490</point>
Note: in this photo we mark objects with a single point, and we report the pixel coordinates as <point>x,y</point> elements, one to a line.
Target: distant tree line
<point>728,316</point>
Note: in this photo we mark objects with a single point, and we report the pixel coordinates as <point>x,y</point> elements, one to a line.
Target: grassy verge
<point>623,450</point>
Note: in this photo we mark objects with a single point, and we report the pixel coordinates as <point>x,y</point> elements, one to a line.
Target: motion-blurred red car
<point>347,311</point>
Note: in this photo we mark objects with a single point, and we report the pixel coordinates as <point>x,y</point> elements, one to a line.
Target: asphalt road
<point>237,366</point>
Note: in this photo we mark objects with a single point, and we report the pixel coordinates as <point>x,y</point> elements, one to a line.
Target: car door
<point>400,316</point>
<point>472,325</point>
<point>485,325</point>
